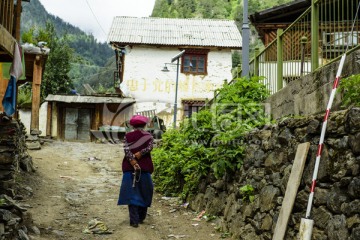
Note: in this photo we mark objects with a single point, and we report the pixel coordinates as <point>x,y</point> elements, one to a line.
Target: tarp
<point>16,71</point>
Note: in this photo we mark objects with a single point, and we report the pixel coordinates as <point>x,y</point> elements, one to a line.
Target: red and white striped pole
<point>307,220</point>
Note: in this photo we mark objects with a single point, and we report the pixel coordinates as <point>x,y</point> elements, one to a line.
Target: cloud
<point>78,13</point>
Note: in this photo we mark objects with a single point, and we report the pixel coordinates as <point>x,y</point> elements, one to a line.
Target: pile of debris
<point>14,161</point>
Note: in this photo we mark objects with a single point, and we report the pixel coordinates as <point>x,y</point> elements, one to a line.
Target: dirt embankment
<point>79,182</point>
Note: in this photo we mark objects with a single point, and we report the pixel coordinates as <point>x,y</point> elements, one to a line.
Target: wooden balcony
<point>9,28</point>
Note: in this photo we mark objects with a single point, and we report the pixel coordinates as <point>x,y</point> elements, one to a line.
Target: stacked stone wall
<point>14,162</point>
<point>267,165</point>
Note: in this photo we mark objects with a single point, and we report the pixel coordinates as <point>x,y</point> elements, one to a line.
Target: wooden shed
<point>75,118</point>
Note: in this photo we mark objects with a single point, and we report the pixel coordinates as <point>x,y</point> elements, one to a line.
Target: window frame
<point>191,106</point>
<point>197,55</point>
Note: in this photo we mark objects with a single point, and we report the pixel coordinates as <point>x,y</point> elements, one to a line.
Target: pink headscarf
<point>137,120</point>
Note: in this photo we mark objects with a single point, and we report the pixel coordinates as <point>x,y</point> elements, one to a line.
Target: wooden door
<point>77,124</point>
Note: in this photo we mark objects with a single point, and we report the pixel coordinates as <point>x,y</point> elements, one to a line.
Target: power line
<point>97,20</point>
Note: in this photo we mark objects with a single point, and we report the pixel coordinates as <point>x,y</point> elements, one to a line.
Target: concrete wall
<point>310,94</point>
<point>154,89</point>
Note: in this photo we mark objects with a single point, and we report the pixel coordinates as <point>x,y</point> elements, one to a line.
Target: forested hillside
<point>220,9</point>
<point>91,58</point>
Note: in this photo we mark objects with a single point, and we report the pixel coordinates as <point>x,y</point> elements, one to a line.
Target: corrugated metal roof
<point>87,99</point>
<point>175,32</point>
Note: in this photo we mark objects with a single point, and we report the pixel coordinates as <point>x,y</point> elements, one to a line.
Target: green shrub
<point>24,97</point>
<point>350,88</point>
<point>210,142</point>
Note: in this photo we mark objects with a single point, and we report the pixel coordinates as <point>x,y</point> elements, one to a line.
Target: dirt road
<point>75,183</point>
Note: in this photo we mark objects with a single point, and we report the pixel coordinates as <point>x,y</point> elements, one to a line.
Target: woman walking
<point>136,189</point>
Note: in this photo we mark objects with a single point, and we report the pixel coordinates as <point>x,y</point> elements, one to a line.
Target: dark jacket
<point>135,141</point>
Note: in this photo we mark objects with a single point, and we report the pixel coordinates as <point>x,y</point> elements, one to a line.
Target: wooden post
<point>291,190</point>
<point>49,119</point>
<point>18,20</point>
<point>2,87</point>
<point>279,60</point>
<point>36,93</point>
<point>314,35</point>
<point>256,61</point>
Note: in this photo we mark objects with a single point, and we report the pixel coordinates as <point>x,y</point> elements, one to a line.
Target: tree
<point>56,76</point>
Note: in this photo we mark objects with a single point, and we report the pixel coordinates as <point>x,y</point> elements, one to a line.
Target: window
<point>194,61</point>
<point>340,39</point>
<point>191,106</point>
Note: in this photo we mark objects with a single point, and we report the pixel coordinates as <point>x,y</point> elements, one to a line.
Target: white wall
<point>25,117</point>
<point>147,83</point>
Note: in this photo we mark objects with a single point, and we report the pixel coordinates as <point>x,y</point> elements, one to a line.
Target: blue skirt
<point>140,195</point>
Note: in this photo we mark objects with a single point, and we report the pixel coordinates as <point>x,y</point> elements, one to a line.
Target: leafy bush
<point>247,193</point>
<point>24,97</point>
<point>351,90</point>
<point>210,142</point>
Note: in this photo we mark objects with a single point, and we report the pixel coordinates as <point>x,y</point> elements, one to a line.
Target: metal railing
<point>318,37</point>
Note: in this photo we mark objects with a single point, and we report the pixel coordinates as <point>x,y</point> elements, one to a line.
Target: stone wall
<point>267,166</point>
<point>310,94</point>
<point>14,161</point>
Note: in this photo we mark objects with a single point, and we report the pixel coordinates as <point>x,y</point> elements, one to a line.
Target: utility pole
<point>245,42</point>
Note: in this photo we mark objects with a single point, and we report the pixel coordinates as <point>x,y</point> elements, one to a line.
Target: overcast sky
<point>95,16</point>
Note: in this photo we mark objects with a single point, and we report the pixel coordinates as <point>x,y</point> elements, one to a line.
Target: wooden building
<point>34,57</point>
<point>86,118</point>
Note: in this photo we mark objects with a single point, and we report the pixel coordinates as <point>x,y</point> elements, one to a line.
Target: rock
<point>268,197</point>
<point>2,229</point>
<point>285,136</point>
<point>355,234</point>
<point>33,145</point>
<point>353,120</point>
<point>230,207</point>
<point>35,132</point>
<point>210,193</point>
<point>23,235</point>
<point>267,223</point>
<point>247,232</point>
<point>321,196</point>
<point>27,165</point>
<point>5,215</point>
<point>336,228</point>
<point>58,233</point>
<point>215,206</point>
<point>351,208</point>
<point>354,143</point>
<point>30,137</point>
<point>354,220</point>
<point>354,187</point>
<point>313,126</point>
<point>7,158</point>
<point>321,216</point>
<point>300,133</point>
<point>198,203</point>
<point>335,197</point>
<point>319,235</point>
<point>275,160</point>
<point>219,184</point>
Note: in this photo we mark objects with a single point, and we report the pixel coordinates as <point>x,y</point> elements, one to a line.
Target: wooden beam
<point>7,42</point>
<point>49,119</point>
<point>36,93</point>
<point>18,20</point>
<point>291,190</point>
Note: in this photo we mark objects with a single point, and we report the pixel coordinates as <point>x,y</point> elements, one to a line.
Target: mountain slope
<point>92,62</point>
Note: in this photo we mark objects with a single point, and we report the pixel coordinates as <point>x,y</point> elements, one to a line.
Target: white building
<point>145,45</point>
